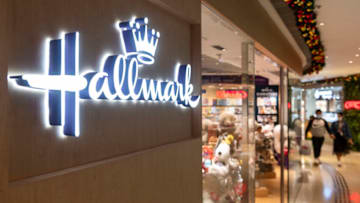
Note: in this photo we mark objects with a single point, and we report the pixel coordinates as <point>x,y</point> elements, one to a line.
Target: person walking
<point>342,137</point>
<point>318,128</point>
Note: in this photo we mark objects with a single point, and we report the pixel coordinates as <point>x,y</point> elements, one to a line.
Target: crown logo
<point>138,40</point>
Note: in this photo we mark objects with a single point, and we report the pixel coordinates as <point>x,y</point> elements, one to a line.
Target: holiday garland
<point>306,22</point>
<point>350,78</point>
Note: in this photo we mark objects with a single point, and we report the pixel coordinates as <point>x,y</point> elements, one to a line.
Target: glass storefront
<point>227,111</point>
<point>296,141</point>
<point>268,134</point>
<point>251,123</point>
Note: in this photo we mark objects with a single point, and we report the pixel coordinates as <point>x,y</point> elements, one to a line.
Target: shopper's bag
<point>305,149</point>
<point>308,136</point>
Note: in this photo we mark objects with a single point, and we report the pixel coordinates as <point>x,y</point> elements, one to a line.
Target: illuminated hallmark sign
<point>117,79</point>
<point>354,104</point>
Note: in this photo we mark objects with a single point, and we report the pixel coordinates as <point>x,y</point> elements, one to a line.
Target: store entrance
<point>269,141</point>
<point>227,111</point>
<point>245,150</point>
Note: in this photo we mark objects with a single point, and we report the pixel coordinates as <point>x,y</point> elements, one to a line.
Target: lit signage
<point>236,94</point>
<point>117,79</point>
<point>323,94</point>
<point>355,104</point>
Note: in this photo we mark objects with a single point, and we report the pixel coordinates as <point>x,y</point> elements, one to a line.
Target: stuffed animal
<point>277,144</point>
<point>277,137</point>
<point>227,126</point>
<point>220,165</point>
<point>227,122</point>
<point>209,130</point>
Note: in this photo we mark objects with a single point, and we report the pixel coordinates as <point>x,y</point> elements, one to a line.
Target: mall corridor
<point>327,182</point>
<point>179,101</point>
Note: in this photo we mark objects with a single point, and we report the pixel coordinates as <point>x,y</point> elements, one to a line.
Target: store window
<point>271,138</point>
<point>328,99</point>
<point>227,111</point>
<point>248,134</point>
<point>298,146</point>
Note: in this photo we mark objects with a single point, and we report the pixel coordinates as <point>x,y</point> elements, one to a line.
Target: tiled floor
<point>325,183</point>
<point>329,183</point>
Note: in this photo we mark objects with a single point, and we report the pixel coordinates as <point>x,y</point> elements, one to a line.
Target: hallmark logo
<point>117,79</point>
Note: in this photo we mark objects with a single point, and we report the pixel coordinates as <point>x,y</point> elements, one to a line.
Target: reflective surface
<point>327,182</point>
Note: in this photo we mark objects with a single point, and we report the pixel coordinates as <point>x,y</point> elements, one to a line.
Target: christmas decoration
<point>350,78</point>
<point>306,22</point>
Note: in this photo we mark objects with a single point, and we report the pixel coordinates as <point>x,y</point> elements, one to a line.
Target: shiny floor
<point>326,183</point>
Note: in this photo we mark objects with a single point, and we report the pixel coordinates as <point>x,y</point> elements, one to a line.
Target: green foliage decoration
<point>352,117</point>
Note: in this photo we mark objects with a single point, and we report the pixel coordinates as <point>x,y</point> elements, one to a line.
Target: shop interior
<point>328,99</point>
<point>240,115</point>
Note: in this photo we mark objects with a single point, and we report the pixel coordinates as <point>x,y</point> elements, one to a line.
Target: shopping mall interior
<point>179,101</point>
<point>241,106</point>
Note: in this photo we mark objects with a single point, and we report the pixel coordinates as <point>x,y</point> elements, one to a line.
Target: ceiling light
<point>322,24</point>
<point>218,47</point>
<point>350,62</point>
<point>357,55</point>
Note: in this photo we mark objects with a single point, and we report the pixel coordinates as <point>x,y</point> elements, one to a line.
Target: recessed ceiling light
<point>322,24</point>
<point>357,55</point>
<point>218,47</point>
<point>359,48</point>
<point>350,62</point>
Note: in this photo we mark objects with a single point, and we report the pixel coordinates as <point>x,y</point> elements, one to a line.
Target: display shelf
<point>265,175</point>
<point>262,191</point>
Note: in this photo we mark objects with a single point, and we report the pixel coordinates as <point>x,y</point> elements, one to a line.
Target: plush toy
<point>213,140</point>
<point>220,165</point>
<point>207,157</point>
<point>269,128</point>
<point>209,131</point>
<point>227,123</point>
<point>277,137</point>
<point>216,181</point>
<point>223,181</point>
<point>227,126</point>
<point>263,146</point>
<point>277,144</point>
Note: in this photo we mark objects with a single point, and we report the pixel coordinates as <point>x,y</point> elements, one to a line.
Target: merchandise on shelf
<point>264,157</point>
<point>221,136</point>
<point>222,181</point>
